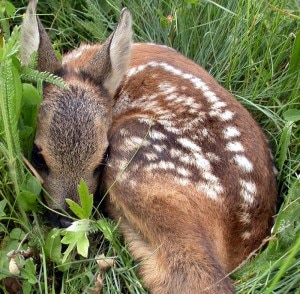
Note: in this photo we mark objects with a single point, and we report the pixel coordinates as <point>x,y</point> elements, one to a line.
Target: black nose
<point>57,220</point>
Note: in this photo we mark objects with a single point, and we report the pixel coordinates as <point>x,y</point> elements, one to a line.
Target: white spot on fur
<point>151,156</point>
<point>159,148</point>
<point>227,115</point>
<point>235,147</point>
<point>162,165</point>
<point>187,143</point>
<point>231,132</point>
<point>197,82</point>
<point>210,177</point>
<point>156,135</point>
<point>223,116</point>
<point>145,120</point>
<point>167,88</point>
<point>212,156</point>
<point>205,132</point>
<point>244,163</point>
<point>210,190</point>
<point>246,235</point>
<point>166,165</point>
<point>218,105</point>
<point>182,181</point>
<point>245,217</point>
<point>133,143</point>
<point>248,191</point>
<point>135,70</point>
<point>183,172</point>
<point>186,159</point>
<point>211,96</point>
<point>176,153</point>
<point>201,162</point>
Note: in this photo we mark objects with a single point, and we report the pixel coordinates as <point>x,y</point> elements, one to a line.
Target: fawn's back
<point>189,174</point>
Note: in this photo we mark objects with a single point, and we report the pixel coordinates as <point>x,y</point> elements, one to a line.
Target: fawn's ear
<point>35,39</point>
<point>111,62</point>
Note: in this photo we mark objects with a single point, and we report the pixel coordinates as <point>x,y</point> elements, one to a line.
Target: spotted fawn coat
<point>189,173</point>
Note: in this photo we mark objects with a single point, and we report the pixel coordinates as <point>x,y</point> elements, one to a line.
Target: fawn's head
<point>71,138</point>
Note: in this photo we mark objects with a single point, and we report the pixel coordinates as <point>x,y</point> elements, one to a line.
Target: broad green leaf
<point>9,8</point>
<point>83,245</point>
<point>34,186</point>
<point>27,200</point>
<point>17,234</point>
<point>29,271</point>
<point>53,245</point>
<point>31,95</point>
<point>292,115</point>
<point>26,288</point>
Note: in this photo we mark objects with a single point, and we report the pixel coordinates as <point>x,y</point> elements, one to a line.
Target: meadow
<point>252,47</point>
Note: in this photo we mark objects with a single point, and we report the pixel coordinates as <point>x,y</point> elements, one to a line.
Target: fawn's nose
<point>59,221</point>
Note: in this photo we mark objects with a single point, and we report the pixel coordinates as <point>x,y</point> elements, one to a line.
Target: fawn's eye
<point>38,159</point>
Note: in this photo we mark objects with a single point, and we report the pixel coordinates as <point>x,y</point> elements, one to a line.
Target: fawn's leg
<point>165,236</point>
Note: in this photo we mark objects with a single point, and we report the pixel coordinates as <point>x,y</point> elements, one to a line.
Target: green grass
<point>251,47</point>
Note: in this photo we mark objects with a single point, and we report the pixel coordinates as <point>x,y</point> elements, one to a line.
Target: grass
<point>251,47</point>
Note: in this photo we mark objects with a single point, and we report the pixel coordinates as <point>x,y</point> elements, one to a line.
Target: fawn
<point>189,172</point>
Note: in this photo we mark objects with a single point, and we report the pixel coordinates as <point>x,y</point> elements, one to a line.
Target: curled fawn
<point>189,172</point>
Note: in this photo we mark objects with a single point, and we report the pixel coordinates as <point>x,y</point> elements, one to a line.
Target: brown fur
<point>193,201</point>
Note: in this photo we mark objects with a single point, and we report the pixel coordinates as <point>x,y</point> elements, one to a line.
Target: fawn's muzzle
<point>58,220</point>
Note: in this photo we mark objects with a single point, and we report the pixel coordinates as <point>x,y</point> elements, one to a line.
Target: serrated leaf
<point>86,199</point>
<point>292,115</point>
<point>53,245</point>
<point>75,208</point>
<point>70,237</point>
<point>32,75</point>
<point>68,252</point>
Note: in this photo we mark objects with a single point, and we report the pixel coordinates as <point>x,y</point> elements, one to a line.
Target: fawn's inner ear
<point>35,39</point>
<point>111,62</point>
